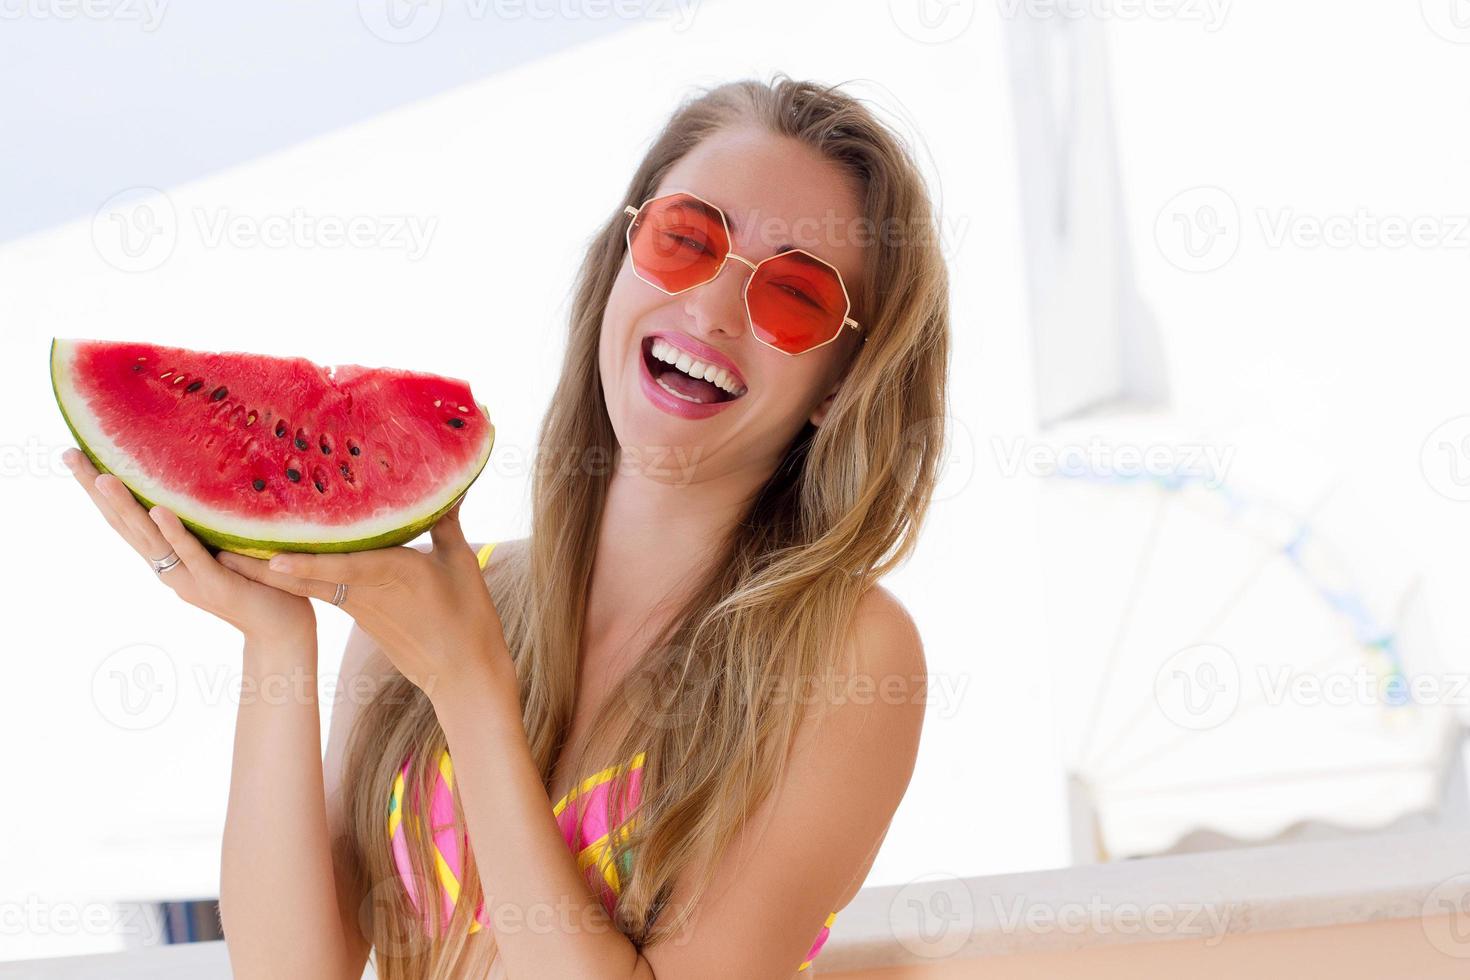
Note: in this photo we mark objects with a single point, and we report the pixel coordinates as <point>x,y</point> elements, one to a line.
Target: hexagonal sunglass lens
<point>678,242</point>
<point>796,302</point>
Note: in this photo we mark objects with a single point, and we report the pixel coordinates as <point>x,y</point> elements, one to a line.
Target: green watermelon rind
<point>255,548</point>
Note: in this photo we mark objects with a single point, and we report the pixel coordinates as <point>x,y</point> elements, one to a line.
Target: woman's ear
<point>819,415</point>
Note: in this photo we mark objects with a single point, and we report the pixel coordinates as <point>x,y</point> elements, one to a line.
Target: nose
<point>718,306</point>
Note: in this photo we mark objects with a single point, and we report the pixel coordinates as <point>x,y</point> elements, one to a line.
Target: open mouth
<point>687,378</point>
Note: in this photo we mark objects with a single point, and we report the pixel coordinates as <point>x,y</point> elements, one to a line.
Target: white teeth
<point>718,376</point>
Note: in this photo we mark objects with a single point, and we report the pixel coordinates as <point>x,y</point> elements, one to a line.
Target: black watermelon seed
<point>258,484</point>
<point>300,438</point>
<point>326,447</point>
<point>218,393</point>
<point>457,422</point>
<point>281,429</point>
<point>345,470</point>
<point>320,488</point>
<point>195,386</point>
<point>293,475</point>
<point>354,450</point>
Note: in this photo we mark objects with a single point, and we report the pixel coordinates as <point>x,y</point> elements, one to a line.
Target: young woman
<point>690,653</point>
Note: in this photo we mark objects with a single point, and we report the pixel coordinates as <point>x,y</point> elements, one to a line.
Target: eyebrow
<point>709,211</point>
<point>713,213</point>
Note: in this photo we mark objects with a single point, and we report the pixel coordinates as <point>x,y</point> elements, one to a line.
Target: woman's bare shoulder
<point>885,634</point>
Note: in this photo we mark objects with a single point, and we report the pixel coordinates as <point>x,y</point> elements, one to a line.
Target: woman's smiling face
<point>776,193</point>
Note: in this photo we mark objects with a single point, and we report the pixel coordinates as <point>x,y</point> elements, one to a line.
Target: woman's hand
<point>255,610</point>
<point>430,612</point>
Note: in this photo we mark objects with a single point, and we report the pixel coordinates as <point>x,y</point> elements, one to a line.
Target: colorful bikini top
<point>590,840</point>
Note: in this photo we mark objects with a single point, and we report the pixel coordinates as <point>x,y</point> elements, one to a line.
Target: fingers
<point>86,475</point>
<point>259,570</point>
<point>149,540</point>
<point>377,567</point>
<point>118,506</point>
<point>195,558</point>
<point>448,534</point>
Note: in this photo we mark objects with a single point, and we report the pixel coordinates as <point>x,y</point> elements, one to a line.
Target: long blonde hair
<point>841,510</point>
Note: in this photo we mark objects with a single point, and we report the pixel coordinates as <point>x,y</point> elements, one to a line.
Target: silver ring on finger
<point>340,596</point>
<point>168,561</point>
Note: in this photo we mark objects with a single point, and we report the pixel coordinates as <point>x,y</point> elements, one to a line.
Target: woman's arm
<point>364,671</point>
<point>278,897</point>
<point>276,875</point>
<point>802,854</point>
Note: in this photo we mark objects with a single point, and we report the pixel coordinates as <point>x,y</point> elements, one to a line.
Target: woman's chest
<point>597,689</point>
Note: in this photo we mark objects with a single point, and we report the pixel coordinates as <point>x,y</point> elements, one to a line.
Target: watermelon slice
<point>264,454</point>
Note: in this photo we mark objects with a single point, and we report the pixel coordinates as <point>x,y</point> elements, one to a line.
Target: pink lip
<point>667,402</point>
<point>700,351</point>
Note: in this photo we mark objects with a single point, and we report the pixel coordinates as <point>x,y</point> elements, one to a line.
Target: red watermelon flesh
<point>261,454</point>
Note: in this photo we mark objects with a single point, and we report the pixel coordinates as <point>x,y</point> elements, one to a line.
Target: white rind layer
<point>247,529</point>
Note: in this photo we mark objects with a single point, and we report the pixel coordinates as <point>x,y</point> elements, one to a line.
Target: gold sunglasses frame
<point>847,321</point>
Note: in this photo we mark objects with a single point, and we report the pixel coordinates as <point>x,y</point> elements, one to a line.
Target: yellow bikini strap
<point>484,554</point>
